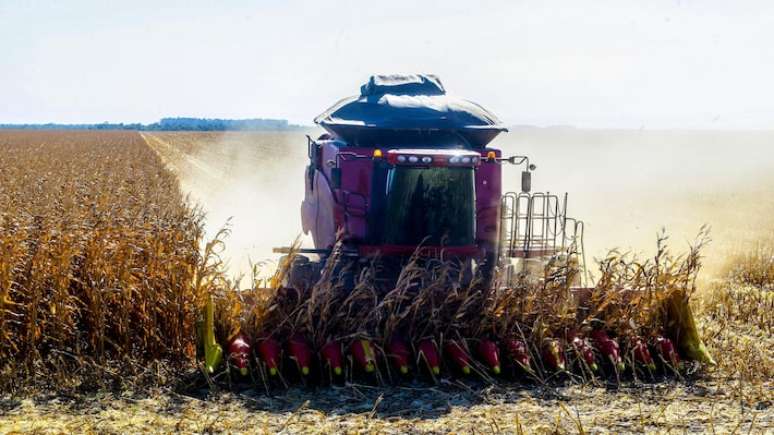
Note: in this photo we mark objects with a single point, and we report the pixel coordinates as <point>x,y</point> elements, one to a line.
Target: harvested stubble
<point>99,256</point>
<point>737,317</point>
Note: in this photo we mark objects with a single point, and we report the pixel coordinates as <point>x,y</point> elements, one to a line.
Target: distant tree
<point>170,124</point>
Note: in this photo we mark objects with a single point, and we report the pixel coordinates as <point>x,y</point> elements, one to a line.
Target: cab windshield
<point>431,205</point>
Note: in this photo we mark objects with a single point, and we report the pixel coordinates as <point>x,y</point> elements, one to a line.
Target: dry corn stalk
<point>98,257</point>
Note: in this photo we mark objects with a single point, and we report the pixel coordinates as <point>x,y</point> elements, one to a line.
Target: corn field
<point>99,255</point>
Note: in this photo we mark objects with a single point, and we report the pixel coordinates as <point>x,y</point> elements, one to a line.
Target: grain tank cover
<point>406,108</point>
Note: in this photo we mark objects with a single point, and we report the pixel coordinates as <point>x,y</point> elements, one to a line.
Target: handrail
<point>536,226</point>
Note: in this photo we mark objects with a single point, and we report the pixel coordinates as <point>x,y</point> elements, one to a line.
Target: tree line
<point>170,124</point>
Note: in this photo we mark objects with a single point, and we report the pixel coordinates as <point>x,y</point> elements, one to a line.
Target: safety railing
<point>534,227</point>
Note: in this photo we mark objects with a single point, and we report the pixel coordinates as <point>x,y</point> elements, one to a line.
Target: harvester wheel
<point>303,273</point>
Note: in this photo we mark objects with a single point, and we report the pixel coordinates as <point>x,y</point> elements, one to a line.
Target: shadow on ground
<point>416,399</point>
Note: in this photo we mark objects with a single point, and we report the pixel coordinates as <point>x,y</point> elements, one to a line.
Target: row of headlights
<point>465,160</point>
<point>454,160</point>
<point>415,159</point>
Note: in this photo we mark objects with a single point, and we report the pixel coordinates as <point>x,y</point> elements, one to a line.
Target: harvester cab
<point>406,169</point>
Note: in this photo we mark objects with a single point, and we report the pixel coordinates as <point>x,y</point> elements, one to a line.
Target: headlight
<point>402,159</point>
<point>427,159</point>
<point>413,159</point>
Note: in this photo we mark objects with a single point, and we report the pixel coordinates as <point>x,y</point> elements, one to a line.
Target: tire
<point>303,273</point>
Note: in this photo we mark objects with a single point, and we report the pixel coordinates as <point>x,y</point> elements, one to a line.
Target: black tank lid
<point>390,107</point>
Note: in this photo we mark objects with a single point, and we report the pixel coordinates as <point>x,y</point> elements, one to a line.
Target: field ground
<point>736,322</point>
<point>703,406</point>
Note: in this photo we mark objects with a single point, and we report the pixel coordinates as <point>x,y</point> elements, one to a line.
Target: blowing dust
<point>250,183</point>
<point>628,185</point>
<point>625,185</point>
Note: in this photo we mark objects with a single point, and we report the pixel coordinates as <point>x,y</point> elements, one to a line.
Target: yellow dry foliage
<point>99,255</point>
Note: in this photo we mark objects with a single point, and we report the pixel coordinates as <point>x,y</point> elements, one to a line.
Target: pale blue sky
<point>652,64</point>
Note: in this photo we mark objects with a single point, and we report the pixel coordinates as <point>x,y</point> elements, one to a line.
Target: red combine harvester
<point>406,168</point>
<point>405,171</point>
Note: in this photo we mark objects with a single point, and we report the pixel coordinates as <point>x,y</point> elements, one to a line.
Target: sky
<point>594,64</point>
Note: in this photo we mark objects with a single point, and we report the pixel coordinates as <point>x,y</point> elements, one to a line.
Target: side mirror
<point>526,181</point>
<point>336,178</point>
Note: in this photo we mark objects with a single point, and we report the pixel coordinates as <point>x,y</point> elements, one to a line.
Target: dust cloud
<point>251,182</point>
<point>626,185</point>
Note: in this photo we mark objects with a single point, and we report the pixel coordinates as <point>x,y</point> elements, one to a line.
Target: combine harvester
<point>404,175</point>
